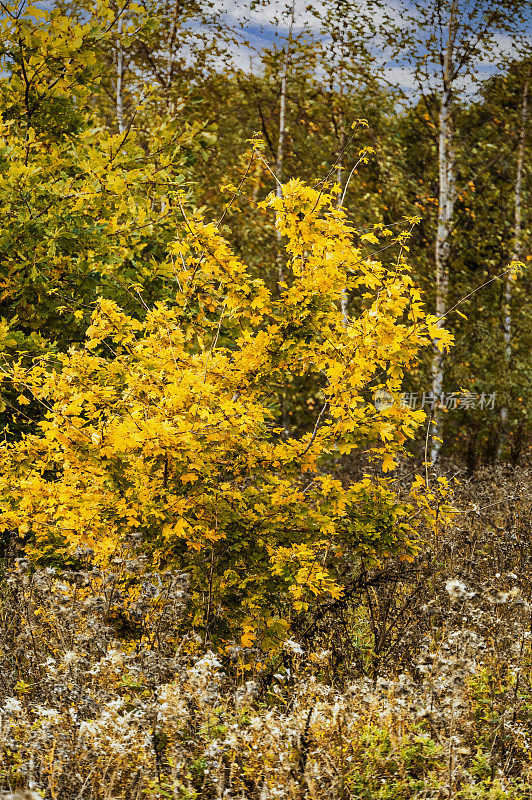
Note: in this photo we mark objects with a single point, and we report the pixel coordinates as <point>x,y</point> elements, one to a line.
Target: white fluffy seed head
<point>23,794</point>
<point>457,590</point>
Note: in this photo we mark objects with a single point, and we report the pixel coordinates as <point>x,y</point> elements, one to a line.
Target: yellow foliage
<point>169,426</point>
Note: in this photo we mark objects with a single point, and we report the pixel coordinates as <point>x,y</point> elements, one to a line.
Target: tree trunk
<point>447,193</point>
<point>516,249</point>
<point>120,78</point>
<point>285,418</point>
<point>280,143</point>
<point>340,179</point>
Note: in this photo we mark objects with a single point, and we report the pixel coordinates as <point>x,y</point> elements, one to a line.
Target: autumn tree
<point>165,429</point>
<point>82,210</point>
<point>160,52</point>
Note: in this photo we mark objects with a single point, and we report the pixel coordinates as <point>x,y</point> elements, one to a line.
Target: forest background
<point>254,323</point>
<point>175,69</point>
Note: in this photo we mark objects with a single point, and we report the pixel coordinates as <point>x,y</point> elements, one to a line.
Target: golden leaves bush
<point>169,426</point>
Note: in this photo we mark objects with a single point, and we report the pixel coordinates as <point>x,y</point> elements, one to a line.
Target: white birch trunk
<point>340,178</point>
<point>280,142</point>
<point>517,245</point>
<point>279,193</point>
<point>447,193</point>
<point>279,159</point>
<point>120,78</point>
<point>278,189</point>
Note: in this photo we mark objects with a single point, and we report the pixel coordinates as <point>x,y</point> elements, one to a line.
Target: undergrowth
<point>416,685</point>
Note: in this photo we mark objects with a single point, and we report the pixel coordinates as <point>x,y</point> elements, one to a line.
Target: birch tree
<point>517,239</point>
<point>446,198</point>
<point>350,78</point>
<point>120,76</point>
<point>441,47</point>
<point>287,52</point>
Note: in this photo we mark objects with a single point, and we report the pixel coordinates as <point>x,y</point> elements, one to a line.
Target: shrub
<point>169,427</point>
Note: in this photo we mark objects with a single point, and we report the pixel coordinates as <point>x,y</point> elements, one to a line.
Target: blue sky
<point>266,25</point>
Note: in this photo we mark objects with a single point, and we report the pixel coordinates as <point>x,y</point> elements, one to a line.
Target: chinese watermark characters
<point>427,401</point>
<point>449,400</point>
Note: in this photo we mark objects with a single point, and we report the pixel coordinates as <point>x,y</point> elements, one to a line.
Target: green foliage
<point>84,212</point>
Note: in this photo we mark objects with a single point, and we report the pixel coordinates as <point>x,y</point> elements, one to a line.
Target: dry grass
<point>417,685</point>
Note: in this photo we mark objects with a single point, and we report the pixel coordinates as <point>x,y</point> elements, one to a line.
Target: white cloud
<point>267,25</point>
